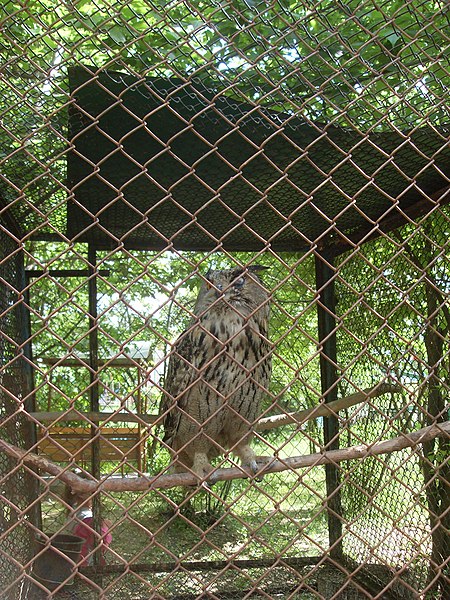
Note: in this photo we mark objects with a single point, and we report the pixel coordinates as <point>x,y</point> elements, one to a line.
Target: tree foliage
<point>319,59</point>
<point>357,64</point>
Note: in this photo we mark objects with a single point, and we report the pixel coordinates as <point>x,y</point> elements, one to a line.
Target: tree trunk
<point>434,466</point>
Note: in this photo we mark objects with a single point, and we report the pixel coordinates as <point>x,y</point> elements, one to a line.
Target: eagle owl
<point>218,372</point>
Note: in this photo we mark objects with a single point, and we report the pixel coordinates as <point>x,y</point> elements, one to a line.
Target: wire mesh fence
<point>18,486</point>
<point>224,313</point>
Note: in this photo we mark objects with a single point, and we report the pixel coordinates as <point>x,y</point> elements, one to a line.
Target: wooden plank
<point>79,361</point>
<point>66,272</point>
<point>95,417</point>
<point>81,431</point>
<point>62,444</point>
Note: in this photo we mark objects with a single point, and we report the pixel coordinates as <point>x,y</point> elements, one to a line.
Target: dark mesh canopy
<point>162,161</point>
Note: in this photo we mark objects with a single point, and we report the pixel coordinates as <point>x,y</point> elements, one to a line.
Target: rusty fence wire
<point>169,171</point>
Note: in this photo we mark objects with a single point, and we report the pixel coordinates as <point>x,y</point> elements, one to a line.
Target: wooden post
<point>326,316</point>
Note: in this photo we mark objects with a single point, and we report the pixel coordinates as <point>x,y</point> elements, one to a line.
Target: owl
<point>218,373</point>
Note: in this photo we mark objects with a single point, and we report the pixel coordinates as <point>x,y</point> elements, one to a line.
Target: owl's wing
<point>181,373</point>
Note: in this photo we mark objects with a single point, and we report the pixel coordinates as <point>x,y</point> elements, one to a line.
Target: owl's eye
<point>239,282</point>
<point>213,285</point>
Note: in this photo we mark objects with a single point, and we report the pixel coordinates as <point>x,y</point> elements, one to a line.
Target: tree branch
<point>325,410</point>
<point>321,410</point>
<point>162,481</point>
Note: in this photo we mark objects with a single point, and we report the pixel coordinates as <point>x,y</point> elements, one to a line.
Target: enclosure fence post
<point>27,362</point>
<point>326,318</point>
<point>94,390</point>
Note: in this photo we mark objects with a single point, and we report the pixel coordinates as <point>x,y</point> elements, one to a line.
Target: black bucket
<point>51,568</point>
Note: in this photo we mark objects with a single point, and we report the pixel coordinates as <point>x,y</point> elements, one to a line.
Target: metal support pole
<point>28,371</point>
<point>94,387</point>
<point>326,315</point>
<point>93,354</point>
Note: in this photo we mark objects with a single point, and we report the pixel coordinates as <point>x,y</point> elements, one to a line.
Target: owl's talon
<point>252,468</point>
<point>212,479</point>
<point>259,464</point>
<point>257,478</point>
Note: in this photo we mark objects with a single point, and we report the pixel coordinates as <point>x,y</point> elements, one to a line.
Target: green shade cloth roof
<point>162,161</point>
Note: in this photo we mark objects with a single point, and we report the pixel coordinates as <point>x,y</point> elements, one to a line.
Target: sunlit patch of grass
<point>283,515</point>
<point>244,518</point>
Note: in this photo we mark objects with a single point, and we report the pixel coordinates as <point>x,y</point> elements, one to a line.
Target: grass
<point>284,515</point>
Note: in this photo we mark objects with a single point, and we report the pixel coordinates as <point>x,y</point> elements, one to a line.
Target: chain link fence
<point>18,484</point>
<point>149,147</point>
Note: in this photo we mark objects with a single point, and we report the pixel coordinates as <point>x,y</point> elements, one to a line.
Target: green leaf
<point>118,34</point>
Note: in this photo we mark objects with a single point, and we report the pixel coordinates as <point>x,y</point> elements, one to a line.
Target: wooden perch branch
<point>325,410</point>
<point>162,481</point>
<point>321,410</point>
